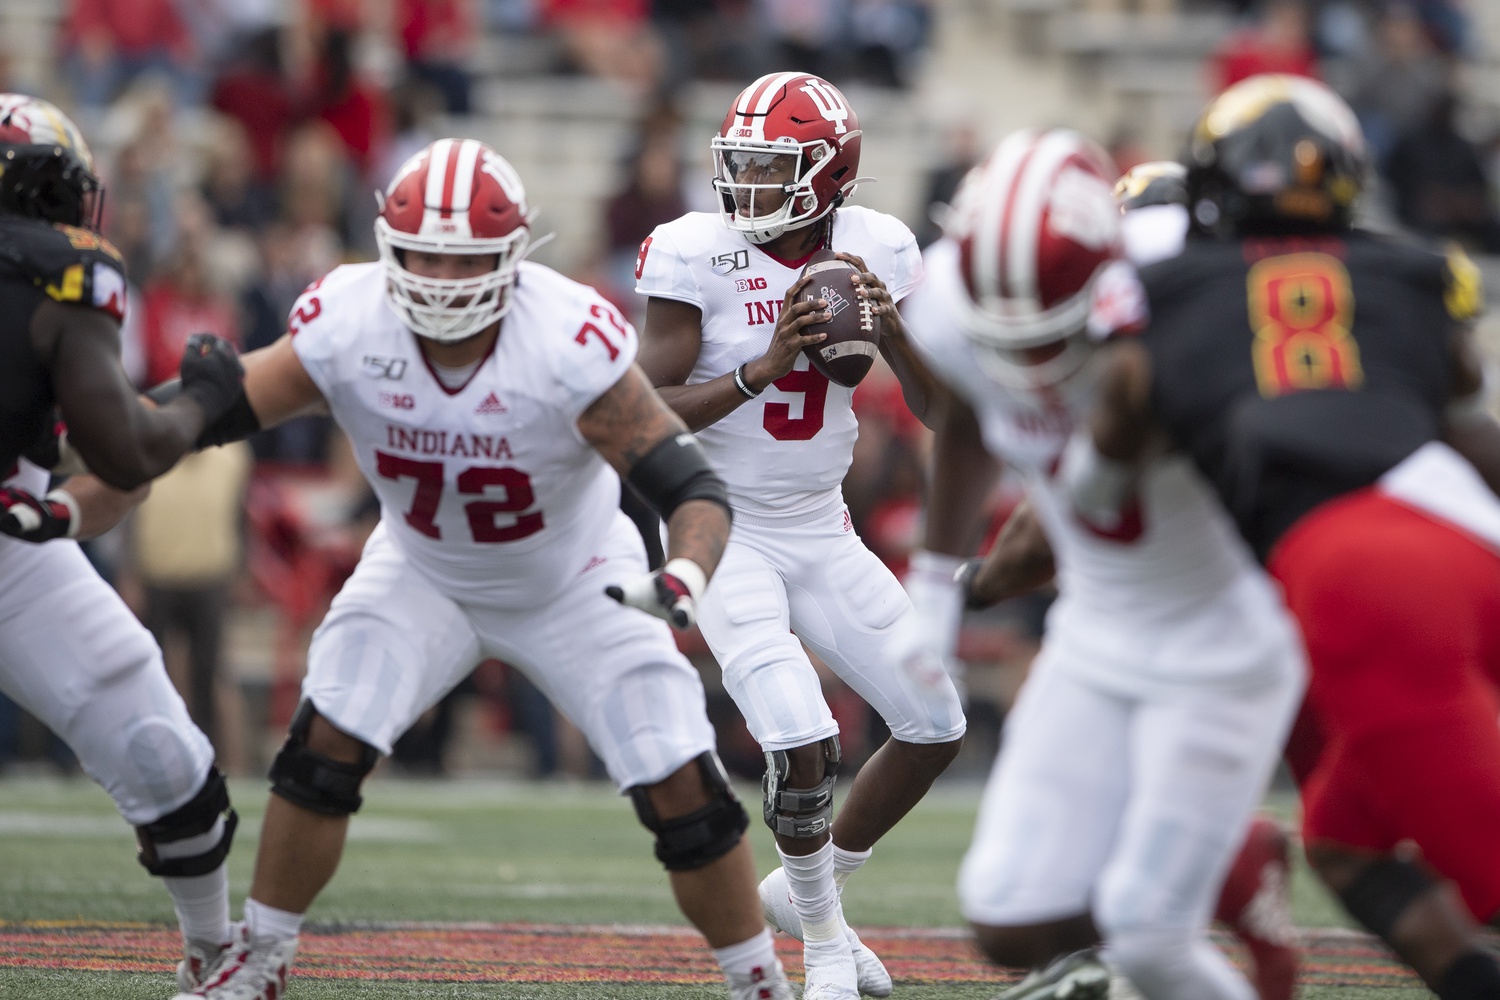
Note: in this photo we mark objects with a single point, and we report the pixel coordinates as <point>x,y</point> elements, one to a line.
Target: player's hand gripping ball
<point>853,330</point>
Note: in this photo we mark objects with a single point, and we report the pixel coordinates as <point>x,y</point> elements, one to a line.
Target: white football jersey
<point>489,489</point>
<point>1173,593</point>
<point>783,454</point>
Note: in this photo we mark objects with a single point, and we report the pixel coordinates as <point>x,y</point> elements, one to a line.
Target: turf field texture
<point>506,890</point>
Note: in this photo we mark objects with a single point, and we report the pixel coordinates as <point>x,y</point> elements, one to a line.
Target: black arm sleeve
<point>674,472</point>
<point>235,425</point>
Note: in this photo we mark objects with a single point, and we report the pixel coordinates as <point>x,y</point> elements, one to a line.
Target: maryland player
<point>71,652</point>
<point>1147,730</point>
<point>723,344</point>
<point>493,405</point>
<point>1320,377</point>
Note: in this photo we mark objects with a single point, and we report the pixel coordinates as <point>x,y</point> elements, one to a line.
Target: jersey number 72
<point>484,516</point>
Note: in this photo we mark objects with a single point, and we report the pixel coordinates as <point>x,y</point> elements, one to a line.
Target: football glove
<point>38,519</point>
<point>671,593</point>
<point>211,374</point>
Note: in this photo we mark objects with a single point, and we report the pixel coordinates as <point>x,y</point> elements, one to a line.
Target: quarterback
<point>494,406</point>
<point>723,344</point>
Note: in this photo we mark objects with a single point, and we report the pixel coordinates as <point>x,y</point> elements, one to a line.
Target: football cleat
<point>761,984</point>
<point>1256,904</point>
<point>197,959</point>
<point>246,970</point>
<point>829,969</point>
<point>1079,976</point>
<point>776,901</point>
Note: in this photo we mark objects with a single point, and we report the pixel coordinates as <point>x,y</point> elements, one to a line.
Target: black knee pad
<point>313,781</point>
<point>1383,891</point>
<point>801,813</point>
<point>703,835</point>
<point>194,819</point>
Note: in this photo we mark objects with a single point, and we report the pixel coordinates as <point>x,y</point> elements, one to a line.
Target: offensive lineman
<point>71,652</point>
<point>1323,379</point>
<point>781,435</point>
<point>487,399</point>
<point>1151,720</point>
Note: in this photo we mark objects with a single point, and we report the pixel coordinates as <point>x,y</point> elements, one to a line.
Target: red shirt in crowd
<point>132,27</point>
<point>171,317</point>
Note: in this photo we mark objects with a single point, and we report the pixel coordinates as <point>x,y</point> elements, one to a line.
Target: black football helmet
<point>46,169</point>
<point>1275,154</point>
<point>1156,182</point>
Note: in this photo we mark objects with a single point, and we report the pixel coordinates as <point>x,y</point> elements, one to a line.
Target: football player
<point>71,652</point>
<point>724,343</point>
<point>1323,379</point>
<point>494,406</point>
<point>1153,716</point>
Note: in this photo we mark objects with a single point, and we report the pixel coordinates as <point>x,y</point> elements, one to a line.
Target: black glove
<point>671,593</point>
<point>37,519</point>
<point>211,374</point>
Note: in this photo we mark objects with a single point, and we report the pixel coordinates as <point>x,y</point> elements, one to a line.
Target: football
<point>853,330</point>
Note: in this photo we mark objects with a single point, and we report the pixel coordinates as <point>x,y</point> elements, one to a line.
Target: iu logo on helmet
<point>830,104</point>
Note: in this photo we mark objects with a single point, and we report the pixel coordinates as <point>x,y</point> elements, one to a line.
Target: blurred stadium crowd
<point>241,143</point>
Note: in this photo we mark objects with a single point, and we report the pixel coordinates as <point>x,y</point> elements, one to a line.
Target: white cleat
<point>246,970</point>
<point>830,970</point>
<point>197,959</point>
<point>762,984</point>
<point>1079,976</point>
<point>776,901</point>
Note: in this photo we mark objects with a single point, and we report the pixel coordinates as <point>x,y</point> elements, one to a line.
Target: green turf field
<point>466,852</point>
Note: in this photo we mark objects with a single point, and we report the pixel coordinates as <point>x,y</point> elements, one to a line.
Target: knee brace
<point>1383,891</point>
<point>316,782</point>
<point>182,843</point>
<point>800,813</point>
<point>703,835</point>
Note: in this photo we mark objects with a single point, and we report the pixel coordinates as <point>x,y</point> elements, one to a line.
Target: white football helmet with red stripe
<point>1037,226</point>
<point>786,155</point>
<point>457,196</point>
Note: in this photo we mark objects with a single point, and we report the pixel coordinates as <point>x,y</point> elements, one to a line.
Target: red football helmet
<point>786,155</point>
<point>1036,225</point>
<point>457,196</point>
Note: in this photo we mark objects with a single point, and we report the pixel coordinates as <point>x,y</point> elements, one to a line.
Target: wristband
<point>742,385</point>
<point>66,499</point>
<point>690,573</point>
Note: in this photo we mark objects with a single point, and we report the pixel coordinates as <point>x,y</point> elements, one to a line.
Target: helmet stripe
<point>1030,201</point>
<point>991,231</point>
<point>463,176</point>
<point>437,169</point>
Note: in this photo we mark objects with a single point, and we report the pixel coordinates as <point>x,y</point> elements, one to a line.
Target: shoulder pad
<point>1463,287</point>
<point>72,265</point>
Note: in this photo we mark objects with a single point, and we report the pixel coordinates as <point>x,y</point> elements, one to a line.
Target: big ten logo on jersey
<point>749,284</point>
<point>728,263</point>
<point>1301,308</point>
<point>307,308</point>
<point>762,312</point>
<point>398,400</point>
<point>830,104</point>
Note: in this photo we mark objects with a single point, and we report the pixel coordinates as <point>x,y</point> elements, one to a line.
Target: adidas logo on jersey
<point>491,404</point>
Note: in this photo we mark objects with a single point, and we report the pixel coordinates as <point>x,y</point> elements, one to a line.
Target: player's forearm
<point>1020,562</point>
<point>705,403</point>
<point>919,388</point>
<point>144,443</point>
<point>101,506</point>
<point>698,530</point>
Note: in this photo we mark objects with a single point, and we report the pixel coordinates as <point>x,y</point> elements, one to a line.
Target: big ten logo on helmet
<point>398,400</point>
<point>728,263</point>
<point>375,366</point>
<point>749,284</point>
<point>830,104</point>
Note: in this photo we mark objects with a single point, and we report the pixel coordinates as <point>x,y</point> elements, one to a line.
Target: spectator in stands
<point>718,40</point>
<point>613,39</point>
<point>230,188</point>
<point>108,43</point>
<point>255,91</point>
<point>317,182</point>
<point>437,37</point>
<point>178,303</point>
<point>804,34</point>
<point>652,195</point>
<point>1440,183</point>
<point>187,553</point>
<point>355,107</point>
<point>963,151</point>
<point>888,37</point>
<point>413,104</point>
<point>1397,83</point>
<point>1278,41</point>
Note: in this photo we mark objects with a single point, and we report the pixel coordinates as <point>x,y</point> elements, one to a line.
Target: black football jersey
<point>39,260</point>
<point>1297,369</point>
